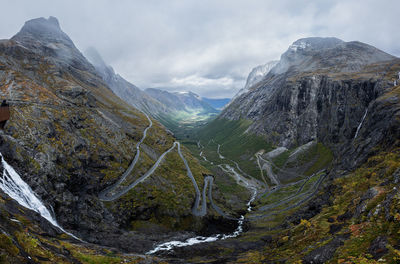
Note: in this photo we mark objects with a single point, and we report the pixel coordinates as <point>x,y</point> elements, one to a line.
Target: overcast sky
<point>206,46</point>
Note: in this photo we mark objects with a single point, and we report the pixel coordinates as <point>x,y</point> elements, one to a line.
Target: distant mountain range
<point>218,104</point>
<point>307,154</point>
<point>156,102</point>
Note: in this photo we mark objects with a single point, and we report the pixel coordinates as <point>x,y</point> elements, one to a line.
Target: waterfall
<point>398,79</point>
<point>359,126</point>
<point>13,185</point>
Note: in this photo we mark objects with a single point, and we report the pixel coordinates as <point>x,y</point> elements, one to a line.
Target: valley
<point>301,166</point>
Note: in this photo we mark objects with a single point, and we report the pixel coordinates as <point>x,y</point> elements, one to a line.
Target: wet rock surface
<point>326,252</point>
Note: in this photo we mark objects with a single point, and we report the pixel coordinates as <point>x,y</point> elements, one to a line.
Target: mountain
<point>171,109</point>
<point>185,110</point>
<point>316,66</point>
<point>181,101</point>
<point>124,89</point>
<point>68,141</point>
<point>256,75</point>
<point>44,36</point>
<point>303,167</point>
<point>218,104</point>
<point>327,111</point>
<point>312,54</point>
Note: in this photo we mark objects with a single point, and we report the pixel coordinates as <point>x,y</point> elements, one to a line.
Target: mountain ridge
<point>306,163</point>
<point>124,89</point>
<point>187,101</point>
<point>327,108</point>
<point>171,109</point>
<point>70,137</point>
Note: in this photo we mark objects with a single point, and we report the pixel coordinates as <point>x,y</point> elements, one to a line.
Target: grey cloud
<point>154,42</point>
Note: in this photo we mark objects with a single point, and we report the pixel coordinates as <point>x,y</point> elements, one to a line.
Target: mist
<point>207,47</point>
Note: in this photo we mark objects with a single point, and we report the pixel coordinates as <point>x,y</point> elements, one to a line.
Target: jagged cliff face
<point>70,136</point>
<point>344,96</point>
<point>319,90</point>
<point>256,75</point>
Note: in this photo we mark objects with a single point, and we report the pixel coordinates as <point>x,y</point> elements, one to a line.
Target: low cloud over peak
<point>208,46</point>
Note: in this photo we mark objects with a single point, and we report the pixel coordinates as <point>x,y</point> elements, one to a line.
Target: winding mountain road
<point>200,204</point>
<point>308,195</point>
<point>219,153</point>
<point>103,194</point>
<point>268,167</point>
<point>108,195</point>
<point>293,196</point>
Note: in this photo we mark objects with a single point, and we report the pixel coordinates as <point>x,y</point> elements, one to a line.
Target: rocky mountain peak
<point>316,53</point>
<point>45,37</point>
<point>258,73</point>
<point>42,30</point>
<point>42,23</point>
<point>314,43</point>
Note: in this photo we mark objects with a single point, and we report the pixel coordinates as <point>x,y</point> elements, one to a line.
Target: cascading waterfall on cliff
<point>13,185</point>
<point>359,126</point>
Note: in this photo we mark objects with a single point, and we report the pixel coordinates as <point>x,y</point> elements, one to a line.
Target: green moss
<point>29,243</point>
<point>324,159</point>
<point>7,248</point>
<point>281,159</point>
<point>91,256</point>
<point>93,259</point>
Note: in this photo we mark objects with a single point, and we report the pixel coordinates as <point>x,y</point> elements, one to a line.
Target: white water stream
<point>13,185</point>
<point>201,239</point>
<point>167,246</point>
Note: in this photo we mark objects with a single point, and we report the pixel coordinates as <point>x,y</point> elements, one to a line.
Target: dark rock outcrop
<point>326,252</point>
<point>378,247</point>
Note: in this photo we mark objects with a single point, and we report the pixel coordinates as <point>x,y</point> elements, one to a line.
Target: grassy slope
<point>241,147</point>
<point>244,146</point>
<point>169,192</point>
<point>300,239</point>
<point>235,143</point>
<point>316,158</point>
<point>44,126</point>
<point>182,124</point>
